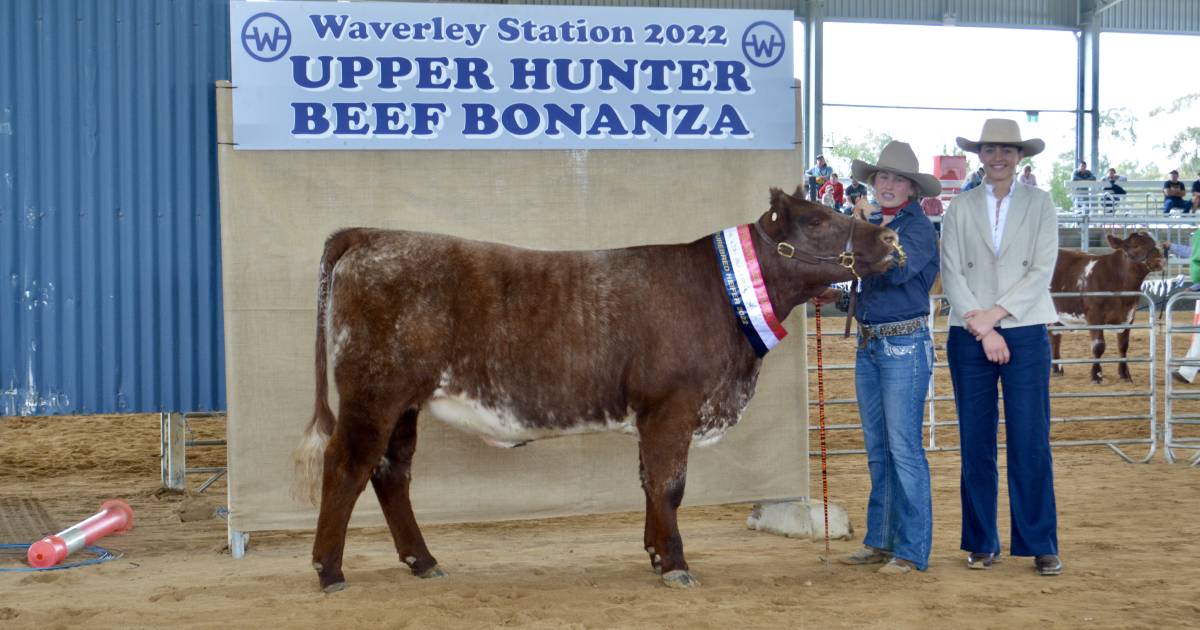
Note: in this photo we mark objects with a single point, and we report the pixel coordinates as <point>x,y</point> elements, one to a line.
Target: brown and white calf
<point>517,345</point>
<point>1123,269</point>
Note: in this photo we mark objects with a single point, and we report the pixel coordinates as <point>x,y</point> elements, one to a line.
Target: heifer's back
<point>516,344</point>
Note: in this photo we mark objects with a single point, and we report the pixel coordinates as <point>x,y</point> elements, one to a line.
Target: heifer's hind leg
<point>358,441</point>
<point>1123,346</point>
<point>1055,346</point>
<point>664,442</point>
<point>1097,353</point>
<point>391,480</point>
<point>649,538</point>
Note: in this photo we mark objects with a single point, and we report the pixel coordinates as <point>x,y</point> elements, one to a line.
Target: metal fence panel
<point>109,241</point>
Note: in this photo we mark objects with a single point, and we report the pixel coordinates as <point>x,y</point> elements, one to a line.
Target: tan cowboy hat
<point>1002,131</point>
<point>898,158</point>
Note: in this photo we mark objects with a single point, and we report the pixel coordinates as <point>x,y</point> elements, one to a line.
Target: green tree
<point>1184,147</point>
<point>842,150</point>
<point>1060,176</point>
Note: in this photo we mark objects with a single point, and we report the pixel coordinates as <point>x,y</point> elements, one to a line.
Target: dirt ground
<point>1129,535</point>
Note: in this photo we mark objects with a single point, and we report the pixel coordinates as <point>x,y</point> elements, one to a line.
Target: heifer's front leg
<point>391,480</point>
<point>1097,353</point>
<point>1123,346</point>
<point>1055,345</point>
<point>664,442</point>
<point>353,450</point>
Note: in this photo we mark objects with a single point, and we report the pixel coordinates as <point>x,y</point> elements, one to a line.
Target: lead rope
<point>821,417</point>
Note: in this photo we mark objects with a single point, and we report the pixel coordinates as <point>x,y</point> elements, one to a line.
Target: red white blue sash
<point>746,289</point>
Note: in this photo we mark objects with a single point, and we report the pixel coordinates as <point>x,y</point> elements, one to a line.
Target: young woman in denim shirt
<point>893,367</point>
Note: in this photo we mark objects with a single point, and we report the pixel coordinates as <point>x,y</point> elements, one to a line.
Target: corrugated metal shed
<point>1153,16</point>
<point>109,235</point>
<point>1024,13</point>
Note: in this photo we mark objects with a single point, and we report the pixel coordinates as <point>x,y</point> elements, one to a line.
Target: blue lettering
<point>325,25</point>
<point>353,69</point>
<point>350,121</point>
<point>427,118</point>
<point>389,119</point>
<point>732,72</point>
<point>556,116</point>
<point>694,76</point>
<point>690,124</point>
<point>526,124</point>
<point>643,116</point>
<point>626,76</point>
<point>480,119</point>
<point>309,119</point>
<point>431,73</point>
<point>562,74</point>
<point>392,68</point>
<point>507,29</point>
<point>472,73</point>
<point>730,122</point>
<point>522,74</point>
<point>607,123</point>
<point>658,69</point>
<point>300,65</point>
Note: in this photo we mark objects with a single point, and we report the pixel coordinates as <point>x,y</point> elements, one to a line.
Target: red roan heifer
<point>517,345</point>
<point>1123,269</point>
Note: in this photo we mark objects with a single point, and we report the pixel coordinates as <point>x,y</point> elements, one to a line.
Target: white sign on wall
<point>367,75</point>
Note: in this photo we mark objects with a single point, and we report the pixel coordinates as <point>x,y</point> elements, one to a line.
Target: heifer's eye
<point>815,222</point>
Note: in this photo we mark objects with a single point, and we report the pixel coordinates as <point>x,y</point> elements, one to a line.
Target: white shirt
<point>997,217</point>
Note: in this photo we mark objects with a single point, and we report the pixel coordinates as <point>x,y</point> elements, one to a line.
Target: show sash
<point>746,289</point>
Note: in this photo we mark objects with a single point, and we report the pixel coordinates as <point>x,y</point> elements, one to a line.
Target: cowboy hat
<point>1002,131</point>
<point>898,158</point>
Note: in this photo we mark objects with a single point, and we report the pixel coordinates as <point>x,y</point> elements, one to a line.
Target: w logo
<point>763,44</point>
<point>266,37</point>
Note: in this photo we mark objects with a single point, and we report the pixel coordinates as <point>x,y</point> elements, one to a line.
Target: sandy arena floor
<point>1129,534</point>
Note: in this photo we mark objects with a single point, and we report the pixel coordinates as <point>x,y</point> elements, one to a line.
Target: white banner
<point>373,75</point>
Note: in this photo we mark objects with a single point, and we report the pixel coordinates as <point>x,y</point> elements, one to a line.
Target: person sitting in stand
<point>834,187</point>
<point>1113,192</point>
<point>1173,195</point>
<point>1027,177</point>
<point>817,176</point>
<point>1082,173</point>
<point>1196,192</point>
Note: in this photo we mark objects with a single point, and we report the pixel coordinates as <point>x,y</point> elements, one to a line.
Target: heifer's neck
<point>789,281</point>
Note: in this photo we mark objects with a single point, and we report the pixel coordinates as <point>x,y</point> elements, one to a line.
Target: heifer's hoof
<point>433,572</point>
<point>680,579</point>
<point>1056,372</point>
<point>335,587</point>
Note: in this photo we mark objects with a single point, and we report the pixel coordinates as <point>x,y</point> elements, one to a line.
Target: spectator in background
<point>835,188</point>
<point>817,176</point>
<point>1196,192</point>
<point>974,180</point>
<point>1027,177</point>
<point>1082,173</point>
<point>857,190</point>
<point>1173,195</point>
<point>1113,192</point>
<point>1187,373</point>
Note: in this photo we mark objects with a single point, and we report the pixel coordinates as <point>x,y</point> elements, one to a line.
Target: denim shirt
<point>903,292</point>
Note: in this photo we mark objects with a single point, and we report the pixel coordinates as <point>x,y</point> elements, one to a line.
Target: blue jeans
<point>1026,382</point>
<point>1170,203</point>
<point>891,376</point>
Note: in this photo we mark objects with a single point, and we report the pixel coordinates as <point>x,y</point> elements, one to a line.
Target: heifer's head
<point>1140,248</point>
<point>822,246</point>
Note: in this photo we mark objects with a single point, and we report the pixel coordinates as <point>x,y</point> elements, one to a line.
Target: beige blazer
<point>1018,279</point>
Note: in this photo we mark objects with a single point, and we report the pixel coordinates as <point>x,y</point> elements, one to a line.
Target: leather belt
<point>890,329</point>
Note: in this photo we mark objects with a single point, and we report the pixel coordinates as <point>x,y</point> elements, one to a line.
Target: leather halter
<point>845,259</point>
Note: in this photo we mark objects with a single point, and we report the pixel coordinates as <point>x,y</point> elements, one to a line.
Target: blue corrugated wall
<point>110,278</point>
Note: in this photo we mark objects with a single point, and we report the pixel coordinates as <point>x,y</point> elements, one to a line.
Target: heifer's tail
<point>309,456</point>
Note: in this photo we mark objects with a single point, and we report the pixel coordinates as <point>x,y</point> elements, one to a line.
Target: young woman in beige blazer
<point>999,245</point>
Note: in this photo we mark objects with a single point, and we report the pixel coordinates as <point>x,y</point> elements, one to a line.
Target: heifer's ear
<point>799,193</point>
<point>780,203</point>
<point>1115,242</point>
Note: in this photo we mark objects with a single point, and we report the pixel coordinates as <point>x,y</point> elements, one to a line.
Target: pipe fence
<point>939,394</point>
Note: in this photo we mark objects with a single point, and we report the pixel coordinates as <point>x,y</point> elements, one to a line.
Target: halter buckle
<point>789,252</point>
<point>846,259</point>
